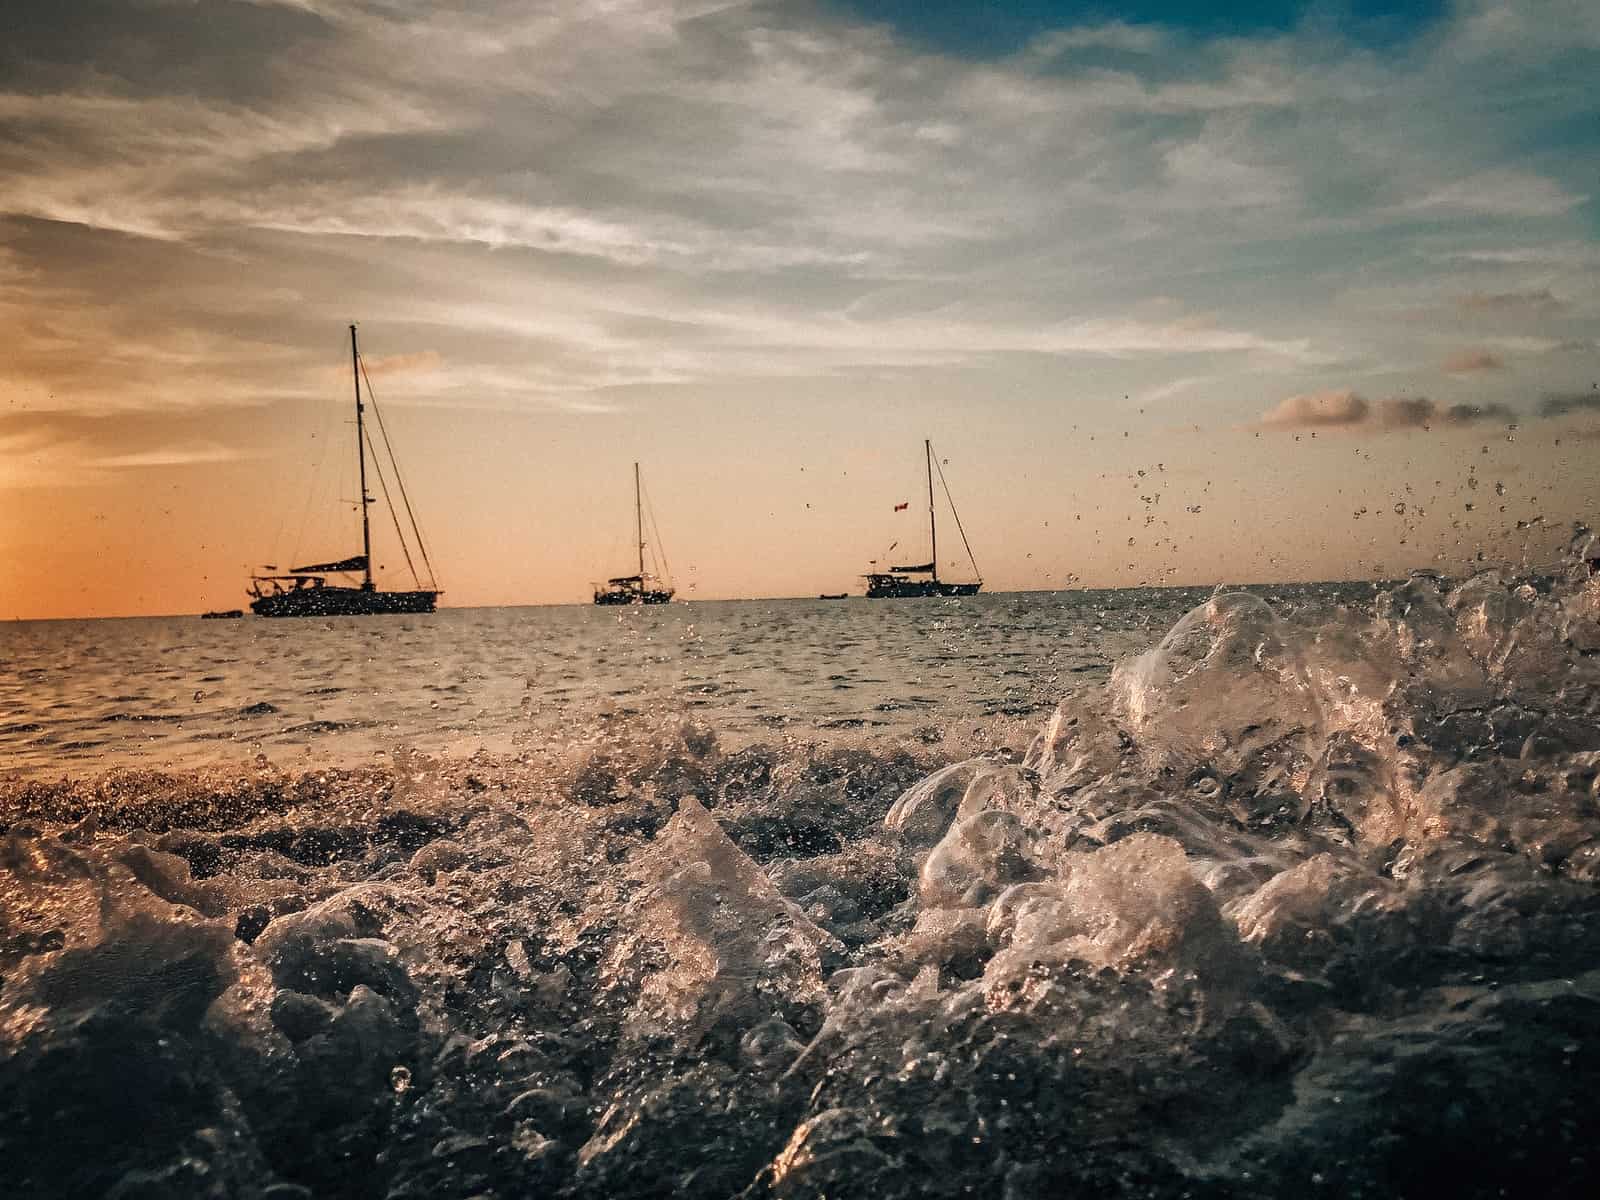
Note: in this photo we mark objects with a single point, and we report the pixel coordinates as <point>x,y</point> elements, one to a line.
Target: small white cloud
<point>1115,35</point>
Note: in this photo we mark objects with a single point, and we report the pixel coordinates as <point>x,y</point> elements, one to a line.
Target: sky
<point>1281,291</point>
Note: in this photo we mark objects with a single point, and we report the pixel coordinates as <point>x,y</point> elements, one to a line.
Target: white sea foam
<point>1283,899</point>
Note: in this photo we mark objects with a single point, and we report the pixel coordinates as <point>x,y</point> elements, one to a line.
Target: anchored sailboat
<point>922,579</point>
<point>644,587</point>
<point>306,592</point>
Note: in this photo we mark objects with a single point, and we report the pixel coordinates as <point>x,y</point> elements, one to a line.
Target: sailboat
<point>922,579</point>
<point>642,588</point>
<point>306,592</point>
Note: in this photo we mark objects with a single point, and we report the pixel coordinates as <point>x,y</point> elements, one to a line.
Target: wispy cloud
<point>41,451</point>
<point>1500,193</point>
<point>191,455</point>
<point>404,364</point>
<point>1466,362</point>
<point>1535,302</point>
<point>690,192</point>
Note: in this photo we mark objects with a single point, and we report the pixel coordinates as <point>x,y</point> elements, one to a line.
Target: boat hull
<point>343,602</point>
<point>609,599</point>
<point>915,589</point>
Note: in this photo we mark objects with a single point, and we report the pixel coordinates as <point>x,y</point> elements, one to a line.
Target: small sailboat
<point>306,591</point>
<point>643,587</point>
<point>922,579</point>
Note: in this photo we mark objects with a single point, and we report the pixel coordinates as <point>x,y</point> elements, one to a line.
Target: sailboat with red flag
<point>308,591</point>
<point>922,579</point>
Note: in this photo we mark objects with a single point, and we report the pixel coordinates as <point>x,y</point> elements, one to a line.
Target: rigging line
<point>943,483</point>
<point>283,522</point>
<point>416,530</point>
<point>319,436</point>
<point>884,559</point>
<point>315,484</point>
<point>383,485</point>
<point>321,484</point>
<point>422,546</point>
<point>305,515</point>
<point>657,550</point>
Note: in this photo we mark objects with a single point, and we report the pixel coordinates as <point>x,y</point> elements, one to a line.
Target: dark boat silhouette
<point>922,579</point>
<point>643,587</point>
<point>834,596</point>
<point>306,592</point>
<point>225,614</point>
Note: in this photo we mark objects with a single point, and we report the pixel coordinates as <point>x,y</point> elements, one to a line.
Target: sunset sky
<point>1295,291</point>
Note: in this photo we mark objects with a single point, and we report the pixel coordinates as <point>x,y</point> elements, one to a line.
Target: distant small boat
<point>834,596</point>
<point>643,587</point>
<point>306,592</point>
<point>222,614</point>
<point>922,579</point>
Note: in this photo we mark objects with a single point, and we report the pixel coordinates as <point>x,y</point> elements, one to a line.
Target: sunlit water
<point>1294,892</point>
<point>76,696</point>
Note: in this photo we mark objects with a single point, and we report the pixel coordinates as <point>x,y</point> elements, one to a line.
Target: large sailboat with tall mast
<point>644,587</point>
<point>922,579</point>
<point>306,591</point>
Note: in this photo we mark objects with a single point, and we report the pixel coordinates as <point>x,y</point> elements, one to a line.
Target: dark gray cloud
<point>230,51</point>
<point>1570,403</point>
<point>1348,410</point>
<point>1468,414</point>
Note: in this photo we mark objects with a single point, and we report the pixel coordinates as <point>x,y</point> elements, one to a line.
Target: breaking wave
<point>1285,905</point>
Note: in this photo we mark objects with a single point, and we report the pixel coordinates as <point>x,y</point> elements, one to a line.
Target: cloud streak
<point>1467,362</point>
<point>1534,302</point>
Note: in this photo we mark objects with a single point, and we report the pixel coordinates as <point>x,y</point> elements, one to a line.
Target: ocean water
<point>1157,894</point>
<point>178,692</point>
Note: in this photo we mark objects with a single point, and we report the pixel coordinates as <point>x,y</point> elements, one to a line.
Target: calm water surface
<point>181,692</point>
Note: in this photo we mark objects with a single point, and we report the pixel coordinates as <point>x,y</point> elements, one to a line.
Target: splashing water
<point>1283,905</point>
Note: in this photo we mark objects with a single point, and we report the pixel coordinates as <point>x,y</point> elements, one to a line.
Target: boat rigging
<point>306,592</point>
<point>922,579</point>
<point>642,587</point>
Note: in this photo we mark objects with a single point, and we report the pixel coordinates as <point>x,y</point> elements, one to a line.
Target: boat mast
<point>361,457</point>
<point>933,528</point>
<point>638,520</point>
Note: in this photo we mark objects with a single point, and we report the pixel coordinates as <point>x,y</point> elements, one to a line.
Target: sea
<point>170,693</point>
<point>1188,892</point>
